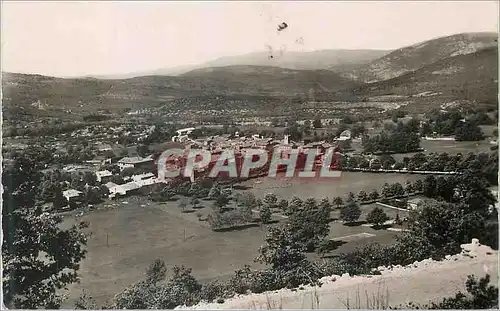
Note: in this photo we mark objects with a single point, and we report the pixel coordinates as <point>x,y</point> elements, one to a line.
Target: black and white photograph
<point>249,155</point>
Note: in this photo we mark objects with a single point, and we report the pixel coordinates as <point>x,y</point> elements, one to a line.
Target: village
<point>233,156</point>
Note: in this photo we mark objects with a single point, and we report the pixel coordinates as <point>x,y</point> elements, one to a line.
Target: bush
<point>480,295</point>
<point>350,212</point>
<point>376,216</point>
<point>265,214</point>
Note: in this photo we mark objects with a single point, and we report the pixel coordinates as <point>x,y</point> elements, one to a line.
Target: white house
<point>115,189</point>
<point>183,134</point>
<point>72,194</point>
<point>103,175</point>
<point>345,135</point>
<point>125,189</point>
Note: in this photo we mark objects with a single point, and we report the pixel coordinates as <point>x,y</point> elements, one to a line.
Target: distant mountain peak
<point>418,55</point>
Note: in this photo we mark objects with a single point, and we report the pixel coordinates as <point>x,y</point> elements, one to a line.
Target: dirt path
<point>427,281</point>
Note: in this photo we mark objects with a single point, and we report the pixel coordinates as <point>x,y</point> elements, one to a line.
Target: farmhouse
<point>103,176</point>
<point>124,189</point>
<point>72,195</point>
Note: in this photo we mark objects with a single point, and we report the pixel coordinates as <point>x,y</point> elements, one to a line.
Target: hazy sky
<point>80,38</point>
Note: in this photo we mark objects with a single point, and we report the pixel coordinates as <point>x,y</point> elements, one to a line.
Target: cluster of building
<point>215,145</point>
<point>239,146</point>
<point>131,183</point>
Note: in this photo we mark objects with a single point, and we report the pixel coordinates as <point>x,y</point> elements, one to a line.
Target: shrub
<point>350,212</point>
<point>376,216</point>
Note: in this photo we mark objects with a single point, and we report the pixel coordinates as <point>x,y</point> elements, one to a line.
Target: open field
<point>128,235</point>
<point>454,147</point>
<point>451,147</point>
<point>305,188</point>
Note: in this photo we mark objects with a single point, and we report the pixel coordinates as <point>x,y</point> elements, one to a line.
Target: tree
<point>350,196</point>
<point>86,302</point>
<point>294,132</point>
<point>468,131</point>
<point>117,179</point>
<point>364,163</point>
<point>358,130</point>
<point>92,195</point>
<point>353,162</point>
<point>124,153</point>
<point>129,171</point>
<point>183,204</point>
<point>214,192</point>
<point>396,115</point>
<point>418,185</point>
<point>397,220</point>
<point>397,189</point>
<point>409,188</point>
<point>108,154</point>
<point>39,257</point>
<point>350,212</point>
<point>194,201</point>
<point>347,119</point>
<point>325,203</point>
<point>284,255</point>
<point>446,226</point>
<point>387,161</point>
<point>195,190</point>
<point>155,293</point>
<point>275,122</point>
<point>323,247</point>
<point>270,200</point>
<point>376,216</point>
<point>375,164</point>
<point>59,200</point>
<point>338,201</point>
<point>283,205</point>
<point>317,123</point>
<point>248,200</point>
<point>362,196</point>
<point>310,224</point>
<point>220,202</point>
<point>386,191</point>
<point>398,166</point>
<point>374,195</point>
<point>143,150</point>
<point>265,214</point>
<point>429,186</point>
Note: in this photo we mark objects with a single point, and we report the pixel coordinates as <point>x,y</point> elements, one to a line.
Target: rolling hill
<point>273,81</point>
<point>462,66</point>
<point>416,56</point>
<point>314,60</point>
<point>42,96</point>
<point>471,76</point>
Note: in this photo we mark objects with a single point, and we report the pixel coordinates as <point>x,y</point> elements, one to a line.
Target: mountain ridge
<point>472,76</point>
<point>417,55</point>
